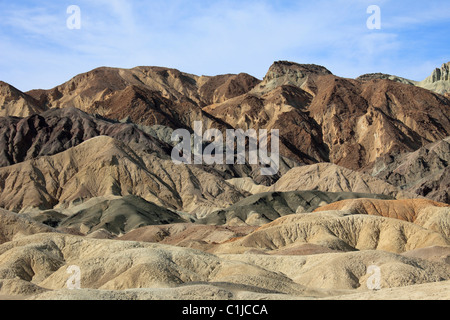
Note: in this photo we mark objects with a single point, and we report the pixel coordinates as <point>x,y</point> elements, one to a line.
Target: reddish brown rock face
<point>321,117</point>
<point>327,118</point>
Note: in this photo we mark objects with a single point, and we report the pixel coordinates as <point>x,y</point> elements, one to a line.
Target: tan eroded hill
<point>15,103</point>
<point>85,89</point>
<point>146,95</point>
<point>14,226</point>
<point>42,261</point>
<point>322,117</point>
<point>338,230</point>
<point>197,236</point>
<point>104,166</point>
<point>332,178</point>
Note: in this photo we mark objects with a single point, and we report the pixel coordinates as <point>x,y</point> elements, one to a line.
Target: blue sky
<point>37,50</point>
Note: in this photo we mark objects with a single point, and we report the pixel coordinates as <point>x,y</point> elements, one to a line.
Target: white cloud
<point>211,37</point>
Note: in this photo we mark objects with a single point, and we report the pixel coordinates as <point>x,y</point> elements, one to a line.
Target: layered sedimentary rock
<point>439,80</point>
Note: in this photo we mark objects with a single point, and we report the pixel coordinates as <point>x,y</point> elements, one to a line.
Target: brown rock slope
<point>116,215</point>
<point>262,208</point>
<point>348,122</point>
<point>84,89</point>
<point>379,76</point>
<point>438,188</point>
<point>42,262</point>
<point>105,166</point>
<point>436,219</point>
<point>434,253</point>
<point>283,109</point>
<point>58,130</point>
<point>190,235</point>
<point>349,271</point>
<point>365,120</point>
<point>428,291</point>
<point>148,95</point>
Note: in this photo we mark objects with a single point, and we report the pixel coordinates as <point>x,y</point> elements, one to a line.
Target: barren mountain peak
<point>289,73</point>
<point>280,68</point>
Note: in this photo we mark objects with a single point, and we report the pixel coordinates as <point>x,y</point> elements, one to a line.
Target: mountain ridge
<point>321,117</point>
